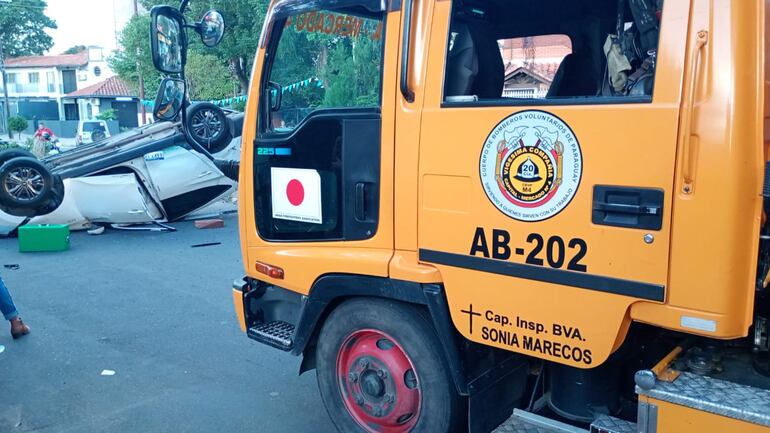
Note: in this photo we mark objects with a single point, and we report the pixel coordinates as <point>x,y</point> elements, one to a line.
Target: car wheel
<point>24,183</point>
<point>207,125</point>
<point>380,369</point>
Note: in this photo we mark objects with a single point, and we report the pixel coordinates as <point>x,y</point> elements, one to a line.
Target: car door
<point>322,146</point>
<point>544,196</point>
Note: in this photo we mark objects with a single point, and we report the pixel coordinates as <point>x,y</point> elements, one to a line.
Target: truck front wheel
<point>380,369</point>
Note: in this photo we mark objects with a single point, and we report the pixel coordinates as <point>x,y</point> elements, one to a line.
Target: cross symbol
<point>470,314</point>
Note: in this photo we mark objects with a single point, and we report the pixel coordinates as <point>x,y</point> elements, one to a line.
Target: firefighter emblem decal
<point>531,166</point>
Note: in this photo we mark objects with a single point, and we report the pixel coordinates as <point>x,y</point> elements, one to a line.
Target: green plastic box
<point>40,238</point>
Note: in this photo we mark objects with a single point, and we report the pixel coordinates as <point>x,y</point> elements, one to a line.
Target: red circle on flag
<point>295,192</point>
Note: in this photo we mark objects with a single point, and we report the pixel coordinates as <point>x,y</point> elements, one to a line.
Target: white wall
<point>31,90</point>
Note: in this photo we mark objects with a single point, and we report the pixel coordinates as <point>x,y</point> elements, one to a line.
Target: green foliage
<point>243,20</point>
<point>17,124</point>
<point>76,49</point>
<point>7,146</point>
<point>110,114</point>
<point>23,25</point>
<point>352,74</point>
<point>207,77</point>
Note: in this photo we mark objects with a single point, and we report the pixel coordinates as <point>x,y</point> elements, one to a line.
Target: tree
<point>76,49</point>
<point>207,77</point>
<point>23,25</point>
<point>17,124</point>
<point>244,20</point>
<point>110,114</point>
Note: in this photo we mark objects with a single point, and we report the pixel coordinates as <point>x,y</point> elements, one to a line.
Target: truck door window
<point>325,60</point>
<point>551,52</point>
<point>317,155</point>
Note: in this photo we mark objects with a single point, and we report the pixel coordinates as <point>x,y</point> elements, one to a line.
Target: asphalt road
<point>159,314</point>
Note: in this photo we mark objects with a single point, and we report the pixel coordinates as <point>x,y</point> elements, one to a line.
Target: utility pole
<point>139,73</point>
<point>6,105</point>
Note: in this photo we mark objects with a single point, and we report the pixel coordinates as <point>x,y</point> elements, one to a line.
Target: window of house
<point>551,51</point>
<point>33,80</point>
<point>50,78</point>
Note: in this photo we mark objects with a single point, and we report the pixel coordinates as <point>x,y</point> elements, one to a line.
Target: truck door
<point>322,156</point>
<point>546,169</point>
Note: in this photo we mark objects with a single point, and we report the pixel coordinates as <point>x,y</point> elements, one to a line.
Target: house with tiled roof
<point>531,64</point>
<point>38,85</point>
<point>112,93</point>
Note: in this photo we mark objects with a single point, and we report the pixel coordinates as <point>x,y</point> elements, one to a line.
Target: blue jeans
<point>6,303</point>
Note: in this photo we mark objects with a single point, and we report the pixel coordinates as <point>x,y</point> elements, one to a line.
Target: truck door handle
<point>622,206</point>
<point>360,200</point>
<point>627,208</point>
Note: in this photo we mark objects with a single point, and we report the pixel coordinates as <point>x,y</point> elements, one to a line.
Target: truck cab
<point>477,215</point>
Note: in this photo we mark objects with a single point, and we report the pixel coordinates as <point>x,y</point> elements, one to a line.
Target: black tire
<point>55,198</point>
<point>98,135</point>
<point>397,326</point>
<point>9,154</point>
<point>208,127</point>
<point>15,192</point>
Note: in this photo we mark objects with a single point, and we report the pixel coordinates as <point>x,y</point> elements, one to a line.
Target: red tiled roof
<point>112,86</point>
<point>543,70</point>
<point>79,59</point>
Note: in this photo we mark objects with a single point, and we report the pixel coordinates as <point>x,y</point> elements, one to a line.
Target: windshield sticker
<point>337,24</point>
<point>531,165</point>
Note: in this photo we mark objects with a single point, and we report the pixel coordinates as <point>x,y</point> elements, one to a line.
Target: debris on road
<point>215,223</point>
<point>12,267</point>
<point>96,231</point>
<point>108,372</point>
<point>209,244</point>
<point>2,348</point>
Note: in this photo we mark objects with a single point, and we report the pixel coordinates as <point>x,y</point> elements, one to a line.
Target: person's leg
<point>6,303</point>
<point>18,327</point>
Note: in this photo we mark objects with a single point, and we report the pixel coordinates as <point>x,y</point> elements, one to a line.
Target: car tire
<point>55,198</point>
<point>380,368</point>
<point>207,125</point>
<point>25,183</point>
<point>9,154</point>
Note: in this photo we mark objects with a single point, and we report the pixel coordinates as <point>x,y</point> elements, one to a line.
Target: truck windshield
<point>326,59</point>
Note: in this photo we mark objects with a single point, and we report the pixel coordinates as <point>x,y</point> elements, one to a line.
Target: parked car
<point>91,131</point>
<point>149,174</point>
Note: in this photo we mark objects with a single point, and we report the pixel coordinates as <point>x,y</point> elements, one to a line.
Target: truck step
<point>277,334</point>
<point>526,422</point>
<point>609,424</point>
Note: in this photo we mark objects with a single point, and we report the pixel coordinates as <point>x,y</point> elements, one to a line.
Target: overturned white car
<point>151,174</point>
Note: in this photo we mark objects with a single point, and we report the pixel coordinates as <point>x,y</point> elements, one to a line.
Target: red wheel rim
<point>378,382</point>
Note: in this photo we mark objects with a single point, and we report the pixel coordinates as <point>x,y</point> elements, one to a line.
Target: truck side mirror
<point>170,99</point>
<point>168,40</point>
<point>211,28</point>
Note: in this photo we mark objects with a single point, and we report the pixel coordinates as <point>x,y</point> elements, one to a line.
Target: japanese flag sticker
<point>296,194</point>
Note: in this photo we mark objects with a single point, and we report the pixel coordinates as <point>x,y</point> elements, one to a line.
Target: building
<point>111,93</point>
<point>37,85</point>
<point>531,63</point>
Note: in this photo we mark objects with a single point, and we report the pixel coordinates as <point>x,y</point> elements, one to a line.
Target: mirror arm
<point>183,5</point>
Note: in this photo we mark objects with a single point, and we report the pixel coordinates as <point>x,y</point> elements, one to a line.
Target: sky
<point>88,22</point>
